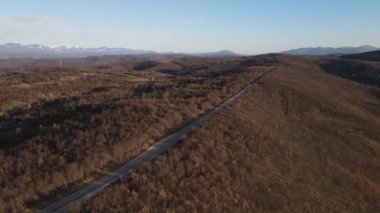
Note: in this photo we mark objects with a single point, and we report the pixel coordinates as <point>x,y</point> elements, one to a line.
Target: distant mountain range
<point>213,54</point>
<point>15,50</point>
<point>331,50</point>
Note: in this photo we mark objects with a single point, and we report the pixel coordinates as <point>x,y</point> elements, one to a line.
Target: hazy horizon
<point>180,26</point>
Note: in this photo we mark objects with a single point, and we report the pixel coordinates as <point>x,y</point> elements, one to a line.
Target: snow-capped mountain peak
<point>15,50</point>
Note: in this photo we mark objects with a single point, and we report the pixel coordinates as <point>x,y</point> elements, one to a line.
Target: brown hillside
<point>62,127</point>
<point>301,141</point>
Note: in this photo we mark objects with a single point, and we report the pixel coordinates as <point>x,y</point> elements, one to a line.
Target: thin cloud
<point>56,31</point>
<point>193,21</point>
<point>35,29</point>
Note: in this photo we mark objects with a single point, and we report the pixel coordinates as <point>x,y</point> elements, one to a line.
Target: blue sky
<point>244,26</point>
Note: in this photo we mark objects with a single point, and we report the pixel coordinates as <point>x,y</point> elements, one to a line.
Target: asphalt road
<point>153,151</point>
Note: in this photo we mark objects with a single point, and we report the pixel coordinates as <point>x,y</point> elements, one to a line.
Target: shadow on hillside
<point>368,56</point>
<point>361,72</point>
<point>19,125</point>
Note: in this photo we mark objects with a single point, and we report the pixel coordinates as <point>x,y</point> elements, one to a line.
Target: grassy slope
<point>300,141</point>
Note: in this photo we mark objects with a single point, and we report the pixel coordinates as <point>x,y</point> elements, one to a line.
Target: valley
<point>298,128</point>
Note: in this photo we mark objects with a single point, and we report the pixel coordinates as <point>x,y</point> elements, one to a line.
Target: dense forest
<point>300,141</point>
<point>61,127</point>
